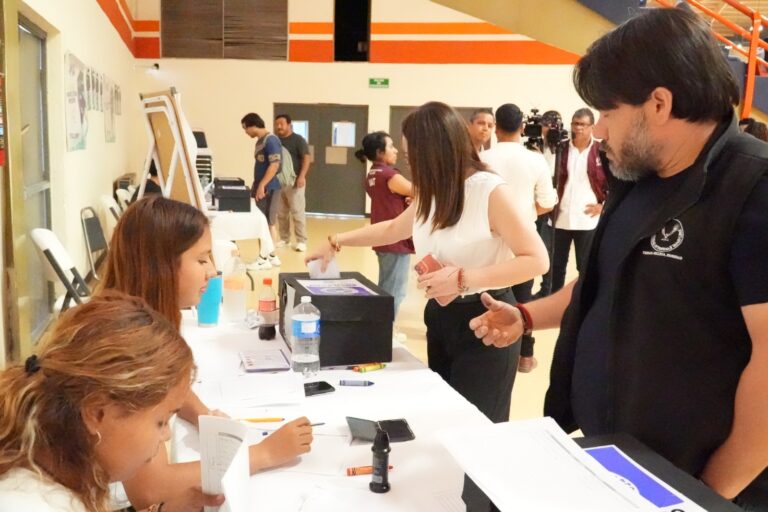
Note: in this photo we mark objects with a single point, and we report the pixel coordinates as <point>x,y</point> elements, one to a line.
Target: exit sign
<point>378,83</point>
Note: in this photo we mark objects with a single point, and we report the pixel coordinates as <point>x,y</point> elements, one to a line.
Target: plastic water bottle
<point>267,310</point>
<point>305,353</point>
<point>235,291</point>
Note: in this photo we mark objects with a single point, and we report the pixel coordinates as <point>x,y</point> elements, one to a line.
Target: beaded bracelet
<point>334,241</point>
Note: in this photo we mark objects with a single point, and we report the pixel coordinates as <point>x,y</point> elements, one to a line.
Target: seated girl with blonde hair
<point>91,407</point>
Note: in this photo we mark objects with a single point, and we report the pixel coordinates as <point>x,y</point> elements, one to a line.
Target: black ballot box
<point>231,194</point>
<point>356,316</point>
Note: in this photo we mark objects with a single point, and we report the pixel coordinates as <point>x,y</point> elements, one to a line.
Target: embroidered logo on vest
<point>669,238</point>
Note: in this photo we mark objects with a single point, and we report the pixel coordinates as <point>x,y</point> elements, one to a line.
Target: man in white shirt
<point>526,172</point>
<point>528,175</point>
<point>581,188</point>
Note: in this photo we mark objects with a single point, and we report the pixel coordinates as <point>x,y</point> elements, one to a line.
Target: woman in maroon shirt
<point>390,193</point>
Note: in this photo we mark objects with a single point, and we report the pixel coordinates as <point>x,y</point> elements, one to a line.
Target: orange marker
<point>362,470</point>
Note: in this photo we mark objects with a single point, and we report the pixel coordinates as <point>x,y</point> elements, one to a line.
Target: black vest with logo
<point>678,339</point>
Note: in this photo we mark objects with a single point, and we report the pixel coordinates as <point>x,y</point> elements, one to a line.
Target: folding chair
<point>94,240</point>
<point>59,267</point>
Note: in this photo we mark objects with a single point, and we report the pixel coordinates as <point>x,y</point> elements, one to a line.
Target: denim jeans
<point>394,268</point>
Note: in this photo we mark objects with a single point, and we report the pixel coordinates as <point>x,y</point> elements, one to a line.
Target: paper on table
<point>224,462</point>
<point>252,390</point>
<point>331,271</point>
<point>517,464</point>
<point>327,457</point>
<point>640,480</point>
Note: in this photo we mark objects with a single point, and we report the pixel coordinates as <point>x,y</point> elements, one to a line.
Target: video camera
<point>534,124</point>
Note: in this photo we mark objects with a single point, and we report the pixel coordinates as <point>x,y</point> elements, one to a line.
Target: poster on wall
<point>109,111</point>
<point>76,103</point>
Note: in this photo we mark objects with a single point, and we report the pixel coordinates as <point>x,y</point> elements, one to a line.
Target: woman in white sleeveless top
<point>465,216</point>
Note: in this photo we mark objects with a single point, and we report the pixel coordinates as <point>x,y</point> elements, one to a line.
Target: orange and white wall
<point>427,51</point>
<point>417,32</point>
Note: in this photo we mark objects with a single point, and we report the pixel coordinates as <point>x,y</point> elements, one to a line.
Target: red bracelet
<point>527,318</point>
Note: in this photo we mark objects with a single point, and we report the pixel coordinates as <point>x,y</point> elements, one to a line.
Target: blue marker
<point>356,383</point>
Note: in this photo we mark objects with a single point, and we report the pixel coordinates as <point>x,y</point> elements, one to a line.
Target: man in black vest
<point>665,334</point>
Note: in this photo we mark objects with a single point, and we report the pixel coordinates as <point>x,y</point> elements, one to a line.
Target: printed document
<point>224,462</point>
<point>534,465</point>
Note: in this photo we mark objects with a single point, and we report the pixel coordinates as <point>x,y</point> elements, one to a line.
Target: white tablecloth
<point>242,226</point>
<point>425,477</point>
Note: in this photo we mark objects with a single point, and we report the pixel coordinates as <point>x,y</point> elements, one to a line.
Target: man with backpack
<point>266,183</point>
<point>291,200</point>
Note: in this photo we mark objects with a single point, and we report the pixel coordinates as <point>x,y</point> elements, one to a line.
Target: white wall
<point>217,93</point>
<point>78,178</point>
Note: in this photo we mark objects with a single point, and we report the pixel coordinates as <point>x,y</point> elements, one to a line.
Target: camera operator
<point>528,175</point>
<point>552,138</point>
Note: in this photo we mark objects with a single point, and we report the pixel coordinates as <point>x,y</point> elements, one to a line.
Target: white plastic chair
<point>123,198</point>
<point>60,267</point>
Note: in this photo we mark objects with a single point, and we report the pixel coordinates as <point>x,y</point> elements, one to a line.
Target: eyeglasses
<point>574,124</point>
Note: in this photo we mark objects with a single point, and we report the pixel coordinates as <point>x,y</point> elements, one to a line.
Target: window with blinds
<point>230,29</point>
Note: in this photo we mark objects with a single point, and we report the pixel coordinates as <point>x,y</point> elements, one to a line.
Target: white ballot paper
<point>534,465</point>
<point>224,462</point>
<point>331,271</point>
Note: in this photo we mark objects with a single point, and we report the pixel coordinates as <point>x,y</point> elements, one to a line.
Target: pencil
<point>264,420</point>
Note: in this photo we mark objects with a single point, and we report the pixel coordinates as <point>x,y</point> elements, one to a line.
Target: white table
<point>242,226</point>
<point>425,477</point>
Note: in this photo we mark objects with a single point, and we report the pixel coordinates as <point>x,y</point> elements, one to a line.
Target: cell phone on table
<point>431,264</point>
<point>365,430</point>
<point>317,388</point>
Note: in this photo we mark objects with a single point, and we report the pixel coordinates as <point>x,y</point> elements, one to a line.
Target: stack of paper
<point>534,465</point>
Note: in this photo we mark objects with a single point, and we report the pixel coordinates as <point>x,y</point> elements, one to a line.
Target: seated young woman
<point>161,251</point>
<point>91,406</point>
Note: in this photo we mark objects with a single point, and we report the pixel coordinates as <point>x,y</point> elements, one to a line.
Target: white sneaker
<point>259,264</point>
<point>274,260</point>
<point>281,243</point>
<point>301,247</point>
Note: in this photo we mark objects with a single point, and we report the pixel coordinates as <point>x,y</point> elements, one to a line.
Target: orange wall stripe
<point>436,28</point>
<point>147,47</point>
<point>310,51</point>
<point>310,27</point>
<point>146,25</point>
<point>112,11</point>
<point>403,28</point>
<point>468,52</point>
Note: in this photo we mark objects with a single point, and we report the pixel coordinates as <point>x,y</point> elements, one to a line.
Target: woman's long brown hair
<point>114,347</point>
<point>441,157</point>
<point>145,253</point>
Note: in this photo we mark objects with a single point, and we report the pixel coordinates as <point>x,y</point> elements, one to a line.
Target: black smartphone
<point>317,388</point>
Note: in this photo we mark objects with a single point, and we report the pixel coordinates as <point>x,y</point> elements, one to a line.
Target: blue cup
<point>210,303</point>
